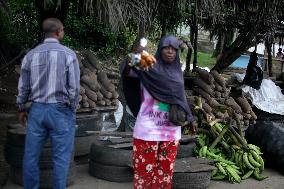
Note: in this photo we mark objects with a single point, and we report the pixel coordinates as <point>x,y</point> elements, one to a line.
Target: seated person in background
<point>254,74</point>
<point>279,53</point>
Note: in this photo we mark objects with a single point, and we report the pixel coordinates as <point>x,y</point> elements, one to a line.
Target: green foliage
<point>171,14</point>
<point>83,31</point>
<point>19,25</point>
<point>203,59</point>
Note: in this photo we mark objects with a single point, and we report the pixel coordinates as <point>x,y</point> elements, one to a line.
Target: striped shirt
<point>49,74</point>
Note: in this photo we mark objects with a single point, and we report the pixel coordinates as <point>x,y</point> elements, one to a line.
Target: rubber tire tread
<point>14,156</point>
<point>82,145</point>
<point>197,180</point>
<point>110,156</point>
<point>185,150</point>
<point>111,173</point>
<point>46,178</point>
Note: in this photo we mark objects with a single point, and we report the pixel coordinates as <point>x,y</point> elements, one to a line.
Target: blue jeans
<point>56,121</point>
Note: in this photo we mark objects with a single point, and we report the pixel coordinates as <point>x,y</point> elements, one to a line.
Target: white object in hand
<point>143,42</point>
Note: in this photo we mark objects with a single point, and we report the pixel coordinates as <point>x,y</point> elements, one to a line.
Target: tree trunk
<point>191,34</point>
<point>188,59</point>
<point>220,45</point>
<point>164,30</point>
<point>243,42</point>
<point>195,36</point>
<point>190,48</point>
<point>195,48</point>
<point>269,60</point>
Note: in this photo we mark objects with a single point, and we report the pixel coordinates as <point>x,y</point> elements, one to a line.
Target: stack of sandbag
<point>216,99</point>
<point>96,88</point>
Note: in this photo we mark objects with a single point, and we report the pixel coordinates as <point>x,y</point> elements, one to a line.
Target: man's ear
<point>57,33</point>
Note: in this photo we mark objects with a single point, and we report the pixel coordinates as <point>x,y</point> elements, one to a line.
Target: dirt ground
<point>85,181</point>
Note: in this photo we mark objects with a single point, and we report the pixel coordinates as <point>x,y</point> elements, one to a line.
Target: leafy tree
<point>18,27</point>
<point>252,19</point>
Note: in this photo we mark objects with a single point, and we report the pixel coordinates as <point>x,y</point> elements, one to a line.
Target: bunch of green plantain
<point>235,160</point>
<point>250,161</point>
<point>223,142</point>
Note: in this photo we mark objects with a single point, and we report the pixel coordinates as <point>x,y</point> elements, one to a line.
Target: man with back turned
<point>50,79</point>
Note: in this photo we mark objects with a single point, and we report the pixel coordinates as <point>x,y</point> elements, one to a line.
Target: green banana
<point>247,175</point>
<point>252,161</point>
<point>198,102</point>
<point>255,148</point>
<point>240,157</point>
<point>218,177</point>
<point>246,161</point>
<point>211,155</point>
<point>233,152</point>
<point>255,155</point>
<point>233,173</point>
<point>237,158</point>
<point>214,172</point>
<point>204,150</point>
<point>196,151</point>
<point>235,167</point>
<point>261,163</point>
<point>201,139</point>
<point>200,152</point>
<point>221,168</point>
<point>236,147</point>
<point>257,176</point>
<point>218,127</point>
<point>236,170</point>
<point>225,161</point>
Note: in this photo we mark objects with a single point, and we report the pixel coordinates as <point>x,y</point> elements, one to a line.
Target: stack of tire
<point>113,164</point>
<point>110,164</point>
<point>85,122</point>
<point>14,153</point>
<point>5,119</point>
<point>268,134</point>
<point>193,173</point>
<point>4,167</point>
<point>185,149</point>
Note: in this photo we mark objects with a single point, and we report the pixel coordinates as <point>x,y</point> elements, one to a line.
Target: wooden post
<point>273,49</point>
<point>195,36</point>
<point>268,45</point>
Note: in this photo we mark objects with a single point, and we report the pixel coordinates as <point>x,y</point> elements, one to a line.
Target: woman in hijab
<point>254,74</point>
<point>150,96</point>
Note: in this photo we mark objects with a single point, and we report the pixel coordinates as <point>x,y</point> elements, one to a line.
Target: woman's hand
<point>141,59</point>
<point>193,127</point>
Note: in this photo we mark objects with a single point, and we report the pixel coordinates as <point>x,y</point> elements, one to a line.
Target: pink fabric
<point>152,122</point>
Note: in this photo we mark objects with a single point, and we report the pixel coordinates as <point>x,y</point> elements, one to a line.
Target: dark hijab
<point>165,80</point>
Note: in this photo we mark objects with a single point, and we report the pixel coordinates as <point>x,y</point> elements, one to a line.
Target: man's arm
<point>24,87</point>
<point>24,90</point>
<point>73,81</point>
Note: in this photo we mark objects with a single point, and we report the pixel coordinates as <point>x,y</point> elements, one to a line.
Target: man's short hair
<point>51,25</point>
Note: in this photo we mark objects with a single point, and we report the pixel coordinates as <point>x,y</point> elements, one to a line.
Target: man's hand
<point>23,116</point>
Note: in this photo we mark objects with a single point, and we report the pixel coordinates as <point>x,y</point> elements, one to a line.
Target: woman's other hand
<point>193,127</point>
